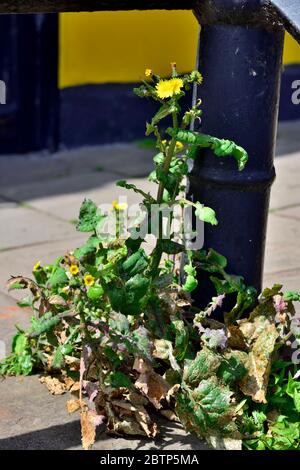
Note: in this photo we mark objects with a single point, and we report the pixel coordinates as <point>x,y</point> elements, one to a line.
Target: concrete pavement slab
<point>31,418</point>
<point>21,226</point>
<point>286,188</point>
<point>10,316</point>
<point>66,206</point>
<point>282,247</point>
<point>21,261</point>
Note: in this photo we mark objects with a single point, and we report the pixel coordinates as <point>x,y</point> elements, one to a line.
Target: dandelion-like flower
<point>74,269</point>
<point>148,73</point>
<point>119,207</point>
<point>89,280</point>
<point>179,146</point>
<point>37,266</point>
<point>168,88</point>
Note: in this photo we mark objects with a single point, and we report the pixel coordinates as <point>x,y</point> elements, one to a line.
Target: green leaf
<point>118,322</point>
<point>216,258</point>
<point>26,301</point>
<point>136,288</point>
<point>16,285</point>
<point>206,410</point>
<point>88,248</point>
<point>293,390</point>
<point>143,343</point>
<point>206,214</point>
<point>135,263</point>
<point>44,324</point>
<point>232,368</point>
<point>170,247</point>
<point>89,217</point>
<point>118,379</point>
<point>220,147</point>
<point>19,343</point>
<point>25,364</point>
<point>146,196</point>
<point>95,292</point>
<point>190,281</point>
<point>190,269</point>
<point>181,338</point>
<point>291,296</point>
<point>58,278</point>
<point>203,366</point>
<point>57,359</point>
<point>164,111</point>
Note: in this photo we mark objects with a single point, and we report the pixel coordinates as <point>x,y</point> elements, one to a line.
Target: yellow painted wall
<point>291,51</point>
<point>106,47</point>
<point>117,46</point>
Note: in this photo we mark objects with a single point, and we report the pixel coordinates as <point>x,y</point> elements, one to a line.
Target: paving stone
<point>122,159</point>
<point>282,247</point>
<point>20,261</point>
<point>71,185</point>
<point>292,212</point>
<point>21,226</point>
<point>10,316</point>
<point>31,418</point>
<point>288,137</point>
<point>66,206</point>
<point>286,188</point>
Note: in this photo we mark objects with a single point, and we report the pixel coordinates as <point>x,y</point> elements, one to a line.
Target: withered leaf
<point>170,415</point>
<point>73,405</point>
<point>163,349</point>
<point>127,424</point>
<point>152,385</point>
<point>57,300</point>
<point>54,385</point>
<point>88,428</point>
<point>21,282</point>
<point>236,338</point>
<point>255,382</point>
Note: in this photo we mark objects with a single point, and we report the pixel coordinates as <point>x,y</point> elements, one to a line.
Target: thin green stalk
<point>157,253</point>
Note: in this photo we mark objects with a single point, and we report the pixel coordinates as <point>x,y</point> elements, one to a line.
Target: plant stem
<point>157,253</point>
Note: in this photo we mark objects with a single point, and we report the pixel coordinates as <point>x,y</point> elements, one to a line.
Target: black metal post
<point>240,58</point>
<point>29,121</point>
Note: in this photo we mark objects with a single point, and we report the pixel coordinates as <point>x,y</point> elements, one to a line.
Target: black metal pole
<point>240,57</point>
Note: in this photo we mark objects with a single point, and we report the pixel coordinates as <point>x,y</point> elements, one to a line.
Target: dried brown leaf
<point>88,428</point>
<point>255,382</point>
<point>53,384</point>
<point>149,427</point>
<point>151,384</point>
<point>236,339</point>
<point>57,300</point>
<point>73,405</point>
<point>170,415</point>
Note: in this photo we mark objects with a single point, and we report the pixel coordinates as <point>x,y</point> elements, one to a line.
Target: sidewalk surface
<point>39,200</point>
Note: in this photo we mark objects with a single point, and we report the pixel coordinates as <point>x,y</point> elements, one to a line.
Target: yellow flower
<point>89,280</point>
<point>37,266</point>
<point>168,88</point>
<point>148,72</point>
<point>74,269</point>
<point>119,207</point>
<point>179,146</point>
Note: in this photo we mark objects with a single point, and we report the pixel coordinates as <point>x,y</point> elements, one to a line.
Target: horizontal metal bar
<point>55,6</point>
<point>289,12</point>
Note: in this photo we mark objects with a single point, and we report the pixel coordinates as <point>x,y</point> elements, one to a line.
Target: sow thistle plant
<point>117,327</point>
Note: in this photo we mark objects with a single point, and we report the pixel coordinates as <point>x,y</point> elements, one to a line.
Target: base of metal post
<point>241,65</point>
